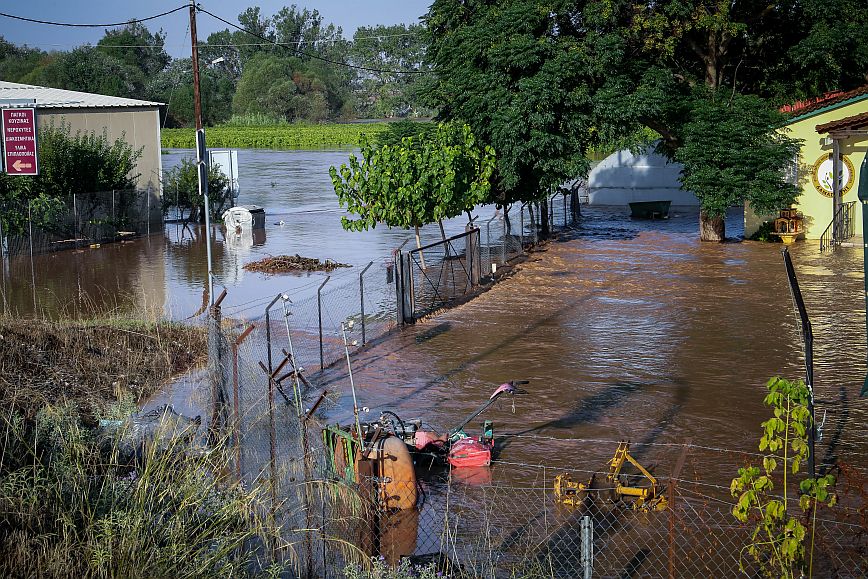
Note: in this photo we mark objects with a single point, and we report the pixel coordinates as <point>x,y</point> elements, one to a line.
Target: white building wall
<point>623,178</point>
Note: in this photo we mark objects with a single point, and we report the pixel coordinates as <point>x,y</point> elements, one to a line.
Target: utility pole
<point>201,153</point>
<point>863,198</point>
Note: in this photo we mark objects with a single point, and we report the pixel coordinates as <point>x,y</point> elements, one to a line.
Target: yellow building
<point>837,122</point>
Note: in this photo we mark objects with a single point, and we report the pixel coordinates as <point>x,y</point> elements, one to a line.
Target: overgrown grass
<point>70,507</point>
<point>74,501</point>
<point>278,137</point>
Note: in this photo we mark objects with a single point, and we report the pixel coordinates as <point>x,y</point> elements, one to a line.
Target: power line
<point>79,25</point>
<point>309,54</point>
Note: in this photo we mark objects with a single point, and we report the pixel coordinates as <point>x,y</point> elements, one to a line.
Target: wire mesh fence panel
<point>74,221</point>
<point>443,272</point>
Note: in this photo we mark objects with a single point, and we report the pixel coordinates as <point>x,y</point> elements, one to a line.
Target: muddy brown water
<point>626,329</point>
<point>633,330</point>
<point>163,273</point>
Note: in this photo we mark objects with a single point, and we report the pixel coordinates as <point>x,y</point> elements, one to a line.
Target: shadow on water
<point>830,457</point>
<point>433,332</point>
<point>469,362</point>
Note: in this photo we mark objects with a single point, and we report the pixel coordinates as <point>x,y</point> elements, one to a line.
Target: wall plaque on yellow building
<point>822,175</point>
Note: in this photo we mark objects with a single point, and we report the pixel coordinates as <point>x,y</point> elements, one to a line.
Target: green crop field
<point>274,137</point>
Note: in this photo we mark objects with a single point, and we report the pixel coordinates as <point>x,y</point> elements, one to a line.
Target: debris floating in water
<point>291,263</point>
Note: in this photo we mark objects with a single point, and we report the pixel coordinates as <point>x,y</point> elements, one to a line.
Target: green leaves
<point>731,152</point>
<point>421,180</point>
<point>181,190</point>
<point>69,164</point>
<point>514,72</point>
<point>778,540</point>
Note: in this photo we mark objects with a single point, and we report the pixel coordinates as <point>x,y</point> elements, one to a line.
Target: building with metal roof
<point>135,121</point>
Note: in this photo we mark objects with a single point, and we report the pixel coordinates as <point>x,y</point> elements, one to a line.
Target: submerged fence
<point>499,521</point>
<point>76,221</point>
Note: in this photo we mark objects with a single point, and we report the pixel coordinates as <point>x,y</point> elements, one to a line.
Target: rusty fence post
<point>319,318</point>
<point>362,298</point>
<point>673,482</point>
<point>272,428</point>
<point>236,402</point>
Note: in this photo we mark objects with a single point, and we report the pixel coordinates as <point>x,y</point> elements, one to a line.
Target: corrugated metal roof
<point>56,98</point>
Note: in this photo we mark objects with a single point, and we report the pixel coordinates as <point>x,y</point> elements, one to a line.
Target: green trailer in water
<point>650,209</point>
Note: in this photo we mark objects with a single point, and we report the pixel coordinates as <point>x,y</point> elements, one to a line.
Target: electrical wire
<point>228,44</point>
<point>81,25</point>
<point>310,54</point>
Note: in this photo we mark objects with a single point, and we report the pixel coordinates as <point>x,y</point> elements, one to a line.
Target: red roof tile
<point>855,122</point>
<point>828,99</point>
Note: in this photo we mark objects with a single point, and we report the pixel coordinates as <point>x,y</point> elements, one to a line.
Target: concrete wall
<point>816,207</point>
<point>623,178</point>
<point>138,126</point>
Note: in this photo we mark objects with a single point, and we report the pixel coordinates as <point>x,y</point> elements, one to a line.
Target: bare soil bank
<point>90,363</point>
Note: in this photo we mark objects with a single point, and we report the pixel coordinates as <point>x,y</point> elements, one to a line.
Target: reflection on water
<point>164,273</point>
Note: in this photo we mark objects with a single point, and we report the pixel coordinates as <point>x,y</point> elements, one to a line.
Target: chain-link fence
<point>444,273</point>
<point>36,226</point>
<point>336,513</point>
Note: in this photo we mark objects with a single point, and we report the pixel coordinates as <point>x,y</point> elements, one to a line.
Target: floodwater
<point>164,273</point>
<point>626,329</point>
<point>632,330</point>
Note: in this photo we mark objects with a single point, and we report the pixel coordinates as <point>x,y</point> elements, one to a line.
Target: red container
<point>470,452</point>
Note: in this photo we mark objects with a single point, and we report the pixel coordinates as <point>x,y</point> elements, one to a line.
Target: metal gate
<point>437,275</point>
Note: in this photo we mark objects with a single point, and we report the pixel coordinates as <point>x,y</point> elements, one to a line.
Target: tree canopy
<point>390,48</point>
<point>540,81</point>
<point>509,71</point>
<point>315,80</point>
<point>422,180</point>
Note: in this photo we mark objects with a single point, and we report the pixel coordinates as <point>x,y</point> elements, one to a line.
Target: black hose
<point>398,418</point>
<point>421,495</point>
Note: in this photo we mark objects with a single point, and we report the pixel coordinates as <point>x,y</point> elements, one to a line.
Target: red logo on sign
<point>19,142</point>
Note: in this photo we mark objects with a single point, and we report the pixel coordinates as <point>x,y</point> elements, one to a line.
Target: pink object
<point>425,438</point>
<point>509,388</point>
<point>470,452</point>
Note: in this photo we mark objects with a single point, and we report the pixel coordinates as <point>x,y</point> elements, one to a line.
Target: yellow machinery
<point>646,498</point>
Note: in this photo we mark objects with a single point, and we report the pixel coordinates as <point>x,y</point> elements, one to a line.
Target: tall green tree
<point>509,71</point>
<point>659,53</point>
<point>390,48</point>
<point>85,69</point>
<point>620,66</point>
<point>732,154</point>
<point>142,52</point>
<point>16,62</point>
<point>174,86</point>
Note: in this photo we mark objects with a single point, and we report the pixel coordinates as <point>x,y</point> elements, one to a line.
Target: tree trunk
<point>195,213</point>
<point>419,246</point>
<point>442,231</point>
<point>575,206</point>
<point>544,217</point>
<point>443,237</point>
<point>711,228</point>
